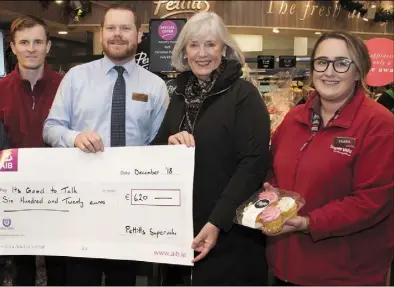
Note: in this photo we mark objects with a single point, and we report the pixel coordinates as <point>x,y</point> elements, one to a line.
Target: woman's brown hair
<point>357,50</point>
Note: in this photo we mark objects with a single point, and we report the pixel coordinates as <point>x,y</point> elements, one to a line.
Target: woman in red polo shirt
<point>336,150</point>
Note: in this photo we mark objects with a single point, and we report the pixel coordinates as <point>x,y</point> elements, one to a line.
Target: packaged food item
<point>269,210</point>
<point>288,207</point>
<point>271,219</point>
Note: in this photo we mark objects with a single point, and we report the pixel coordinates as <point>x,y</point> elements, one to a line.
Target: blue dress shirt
<point>83,103</point>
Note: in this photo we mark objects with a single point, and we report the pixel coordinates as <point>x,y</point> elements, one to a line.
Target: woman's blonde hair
<point>200,25</point>
<point>357,50</point>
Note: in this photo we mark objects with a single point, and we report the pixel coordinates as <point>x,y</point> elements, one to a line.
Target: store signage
<point>142,54</point>
<point>163,36</point>
<point>307,9</point>
<point>304,9</point>
<point>287,61</point>
<point>164,9</point>
<point>316,15</point>
<point>171,87</point>
<point>265,62</point>
<point>381,52</point>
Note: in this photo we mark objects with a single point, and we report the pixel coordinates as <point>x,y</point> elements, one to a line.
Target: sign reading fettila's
<point>164,9</point>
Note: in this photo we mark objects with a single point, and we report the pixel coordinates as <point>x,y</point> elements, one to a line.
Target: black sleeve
<point>163,133</point>
<point>387,101</point>
<point>252,136</point>
<point>4,142</point>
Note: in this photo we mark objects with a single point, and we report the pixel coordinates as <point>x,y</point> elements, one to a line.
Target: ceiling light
<point>365,19</point>
<point>317,33</point>
<point>275,30</point>
<point>62,32</point>
<point>59,2</point>
<point>373,6</point>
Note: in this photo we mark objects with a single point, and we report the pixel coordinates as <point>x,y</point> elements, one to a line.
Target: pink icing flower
<point>270,214</point>
<point>271,196</point>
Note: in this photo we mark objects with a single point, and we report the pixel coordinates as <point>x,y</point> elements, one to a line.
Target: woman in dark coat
<point>225,118</point>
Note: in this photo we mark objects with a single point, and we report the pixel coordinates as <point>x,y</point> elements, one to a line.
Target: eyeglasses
<point>339,65</point>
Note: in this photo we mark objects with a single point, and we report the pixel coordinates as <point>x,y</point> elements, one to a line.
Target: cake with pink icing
<point>271,196</point>
<point>271,219</point>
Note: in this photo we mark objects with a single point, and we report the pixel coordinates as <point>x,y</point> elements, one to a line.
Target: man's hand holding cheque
<point>89,142</point>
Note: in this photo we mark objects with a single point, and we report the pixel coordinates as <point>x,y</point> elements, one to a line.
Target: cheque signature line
<point>36,209</point>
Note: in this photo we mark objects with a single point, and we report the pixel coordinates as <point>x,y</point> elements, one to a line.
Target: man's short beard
<point>129,53</point>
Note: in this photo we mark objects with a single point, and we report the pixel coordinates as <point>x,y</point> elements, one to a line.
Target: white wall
<point>249,43</point>
<point>300,46</point>
<point>278,42</point>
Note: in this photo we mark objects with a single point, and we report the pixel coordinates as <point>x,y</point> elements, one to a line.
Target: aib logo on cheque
<point>9,160</point>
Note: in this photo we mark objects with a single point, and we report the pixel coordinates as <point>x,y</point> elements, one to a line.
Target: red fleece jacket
<point>23,110</point>
<point>345,172</point>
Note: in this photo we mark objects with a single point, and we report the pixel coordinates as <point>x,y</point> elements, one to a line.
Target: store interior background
<point>81,42</point>
<point>75,43</point>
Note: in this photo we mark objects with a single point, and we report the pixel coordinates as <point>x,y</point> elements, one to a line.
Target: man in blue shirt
<point>81,113</point>
<point>107,102</point>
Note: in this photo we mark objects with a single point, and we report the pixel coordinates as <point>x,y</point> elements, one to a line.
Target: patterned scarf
<point>196,93</point>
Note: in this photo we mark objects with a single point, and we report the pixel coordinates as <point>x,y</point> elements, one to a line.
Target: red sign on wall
<point>381,51</point>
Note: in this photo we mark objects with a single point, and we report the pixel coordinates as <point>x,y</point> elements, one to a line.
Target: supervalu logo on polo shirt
<point>343,145</point>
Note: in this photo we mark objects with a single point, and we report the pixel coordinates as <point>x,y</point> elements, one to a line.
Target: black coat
<point>4,142</point>
<point>387,100</point>
<point>232,133</point>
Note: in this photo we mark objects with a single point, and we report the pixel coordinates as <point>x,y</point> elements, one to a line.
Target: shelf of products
<point>281,89</point>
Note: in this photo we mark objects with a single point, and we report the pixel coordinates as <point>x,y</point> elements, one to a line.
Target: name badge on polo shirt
<point>139,97</point>
<point>344,142</point>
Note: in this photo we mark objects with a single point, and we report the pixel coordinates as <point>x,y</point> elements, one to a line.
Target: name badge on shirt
<point>139,97</point>
<point>344,142</point>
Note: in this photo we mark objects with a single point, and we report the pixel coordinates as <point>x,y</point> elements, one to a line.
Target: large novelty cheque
<point>130,203</point>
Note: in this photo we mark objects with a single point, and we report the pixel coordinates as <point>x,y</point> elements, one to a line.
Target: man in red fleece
<point>25,100</point>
